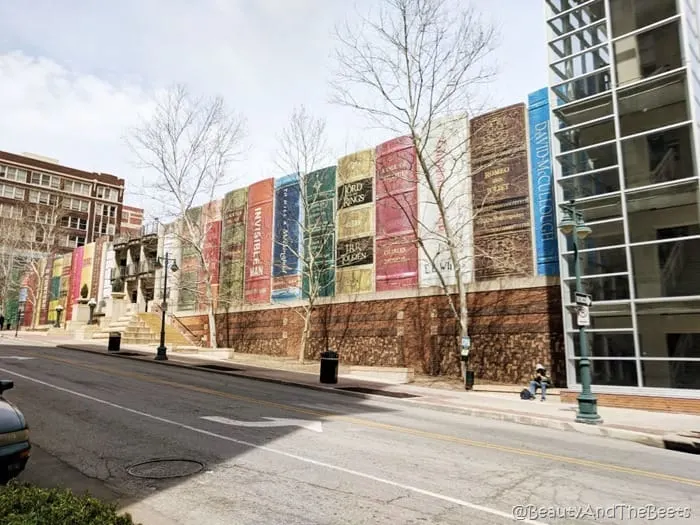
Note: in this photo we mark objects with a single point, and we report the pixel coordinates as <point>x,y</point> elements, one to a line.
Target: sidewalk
<point>500,402</point>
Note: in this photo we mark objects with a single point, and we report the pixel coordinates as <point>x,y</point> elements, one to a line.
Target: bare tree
<point>28,242</point>
<point>11,259</point>
<point>303,150</point>
<point>417,68</point>
<point>189,144</point>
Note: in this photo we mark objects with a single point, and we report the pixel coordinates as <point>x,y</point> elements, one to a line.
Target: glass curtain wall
<point>625,98</point>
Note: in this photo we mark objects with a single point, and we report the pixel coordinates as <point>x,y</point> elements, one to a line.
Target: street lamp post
<point>165,264</point>
<point>573,224</point>
<point>59,309</point>
<point>20,317</point>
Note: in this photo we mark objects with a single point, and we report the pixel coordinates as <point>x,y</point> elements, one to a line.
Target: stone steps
<point>144,329</point>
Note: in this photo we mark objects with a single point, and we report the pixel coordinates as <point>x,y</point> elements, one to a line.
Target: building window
<point>43,197</point>
<point>44,179</point>
<point>75,223</point>
<point>12,173</point>
<point>76,204</point>
<point>41,216</point>
<point>11,192</point>
<point>80,188</point>
<point>106,210</point>
<point>104,228</point>
<point>109,194</point>
<point>9,211</point>
<point>73,241</point>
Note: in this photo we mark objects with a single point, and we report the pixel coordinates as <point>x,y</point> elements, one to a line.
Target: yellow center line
<point>373,424</point>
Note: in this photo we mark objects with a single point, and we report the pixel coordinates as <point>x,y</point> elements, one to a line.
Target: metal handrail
<point>173,318</point>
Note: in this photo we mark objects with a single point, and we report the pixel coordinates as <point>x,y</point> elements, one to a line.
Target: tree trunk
<point>212,327</point>
<point>463,322</point>
<point>211,313</point>
<point>305,333</point>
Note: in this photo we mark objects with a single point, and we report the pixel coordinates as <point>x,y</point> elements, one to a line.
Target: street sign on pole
<point>583,299</point>
<point>583,317</point>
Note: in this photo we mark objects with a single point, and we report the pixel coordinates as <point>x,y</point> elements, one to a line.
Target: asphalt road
<point>338,459</point>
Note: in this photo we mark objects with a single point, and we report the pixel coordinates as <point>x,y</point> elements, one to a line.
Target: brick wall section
<point>657,404</point>
<point>511,330</point>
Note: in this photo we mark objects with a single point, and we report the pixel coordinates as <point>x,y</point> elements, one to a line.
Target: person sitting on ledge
<point>540,381</point>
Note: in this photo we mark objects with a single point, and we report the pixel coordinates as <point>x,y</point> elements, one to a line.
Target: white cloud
<point>74,75</point>
<point>77,119</point>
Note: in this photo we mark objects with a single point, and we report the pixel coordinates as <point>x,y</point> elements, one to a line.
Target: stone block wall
<point>511,331</point>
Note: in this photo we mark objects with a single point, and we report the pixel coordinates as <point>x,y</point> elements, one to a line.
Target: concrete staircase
<point>143,329</point>
<point>119,325</point>
<point>151,323</point>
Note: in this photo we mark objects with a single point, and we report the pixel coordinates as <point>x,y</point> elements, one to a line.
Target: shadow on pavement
<point>85,439</point>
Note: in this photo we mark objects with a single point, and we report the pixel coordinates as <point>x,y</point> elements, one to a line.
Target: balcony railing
<point>132,270</point>
<point>118,273</point>
<point>147,266</point>
<point>149,229</point>
<point>122,238</point>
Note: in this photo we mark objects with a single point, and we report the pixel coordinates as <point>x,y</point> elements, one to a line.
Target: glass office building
<point>624,93</point>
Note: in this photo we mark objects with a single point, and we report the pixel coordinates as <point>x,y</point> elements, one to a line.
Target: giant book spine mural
<point>542,184</point>
<point>45,290</point>
<point>319,233</point>
<point>55,288</point>
<point>445,183</point>
<point>211,248</point>
<point>396,215</point>
<point>287,251</point>
<point>171,248</point>
<point>500,180</point>
<point>65,283</point>
<point>233,237</point>
<point>76,275</point>
<point>87,268</point>
<point>97,267</point>
<point>190,269</point>
<point>258,267</point>
<point>110,265</point>
<point>355,232</point>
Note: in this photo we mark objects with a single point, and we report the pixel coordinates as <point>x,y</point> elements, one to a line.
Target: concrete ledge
<point>381,374</point>
<point>678,405</point>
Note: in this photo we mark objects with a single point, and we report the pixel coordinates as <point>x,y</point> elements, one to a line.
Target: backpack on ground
<point>525,393</point>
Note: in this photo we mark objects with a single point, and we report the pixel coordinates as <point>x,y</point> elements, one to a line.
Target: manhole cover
<point>376,392</point>
<point>165,468</point>
<point>219,367</point>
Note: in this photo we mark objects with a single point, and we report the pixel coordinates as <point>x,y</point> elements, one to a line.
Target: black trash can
<point>329,367</point>
<point>114,342</point>
<point>469,380</point>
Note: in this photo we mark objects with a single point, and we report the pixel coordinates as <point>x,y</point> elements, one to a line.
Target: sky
<point>75,76</point>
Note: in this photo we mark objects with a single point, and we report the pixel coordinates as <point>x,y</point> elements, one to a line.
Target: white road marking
<point>16,357</point>
<point>314,426</point>
<point>303,459</point>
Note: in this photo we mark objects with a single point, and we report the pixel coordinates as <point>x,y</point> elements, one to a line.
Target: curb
<point>232,373</point>
<point>669,441</point>
<point>555,424</point>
